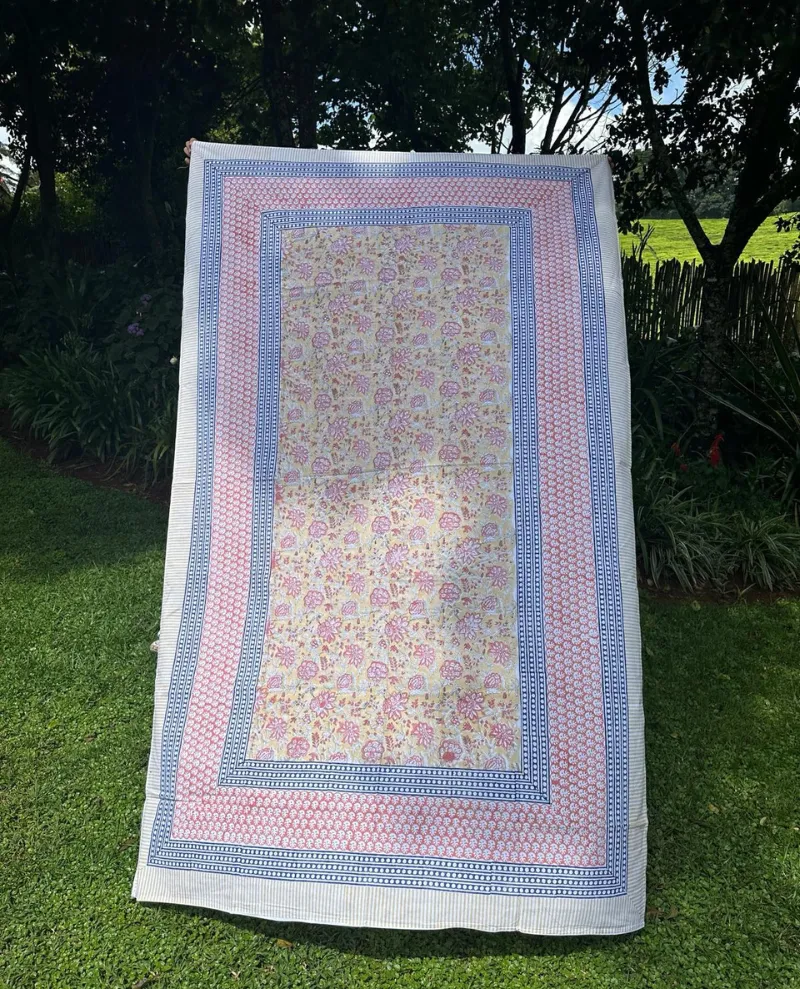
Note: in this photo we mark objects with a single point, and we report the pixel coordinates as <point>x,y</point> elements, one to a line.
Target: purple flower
<point>145,299</point>
<point>135,330</point>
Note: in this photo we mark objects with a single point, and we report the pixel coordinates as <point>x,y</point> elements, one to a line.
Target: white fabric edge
<point>620,393</point>
<point>375,906</point>
<point>181,506</point>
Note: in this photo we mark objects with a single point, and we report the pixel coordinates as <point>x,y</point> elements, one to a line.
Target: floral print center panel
<point>392,626</point>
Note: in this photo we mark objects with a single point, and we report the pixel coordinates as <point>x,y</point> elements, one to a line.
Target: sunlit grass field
<point>670,239</point>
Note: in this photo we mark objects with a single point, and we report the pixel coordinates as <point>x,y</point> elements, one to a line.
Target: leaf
<point>713,808</point>
<point>283,943</point>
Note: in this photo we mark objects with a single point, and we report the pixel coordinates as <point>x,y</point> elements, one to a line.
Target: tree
<point>32,46</point>
<point>737,63</point>
<point>546,62</point>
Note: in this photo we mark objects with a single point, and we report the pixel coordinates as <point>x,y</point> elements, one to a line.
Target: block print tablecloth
<point>398,682</point>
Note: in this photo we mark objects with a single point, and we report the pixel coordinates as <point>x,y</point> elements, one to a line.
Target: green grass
<point>671,240</point>
<point>80,575</point>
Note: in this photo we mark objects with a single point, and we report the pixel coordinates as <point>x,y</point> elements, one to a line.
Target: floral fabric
<point>392,631</point>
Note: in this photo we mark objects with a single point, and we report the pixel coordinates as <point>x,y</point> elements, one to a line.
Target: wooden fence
<point>666,299</point>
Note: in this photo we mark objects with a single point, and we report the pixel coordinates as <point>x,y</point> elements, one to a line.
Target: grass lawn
<point>80,578</point>
<point>671,240</point>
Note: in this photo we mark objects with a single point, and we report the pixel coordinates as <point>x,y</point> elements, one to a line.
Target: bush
<point>77,399</point>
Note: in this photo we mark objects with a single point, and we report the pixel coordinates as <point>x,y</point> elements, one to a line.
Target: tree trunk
<point>16,203</point>
<point>305,73</point>
<point>273,72</point>
<point>41,144</point>
<point>512,71</point>
<point>712,339</point>
<point>143,95</point>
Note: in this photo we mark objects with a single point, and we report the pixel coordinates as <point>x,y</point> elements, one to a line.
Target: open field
<point>671,240</point>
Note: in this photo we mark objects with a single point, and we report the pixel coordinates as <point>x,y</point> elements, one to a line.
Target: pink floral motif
<point>388,618</point>
<point>396,629</point>
<point>451,670</point>
<point>297,747</point>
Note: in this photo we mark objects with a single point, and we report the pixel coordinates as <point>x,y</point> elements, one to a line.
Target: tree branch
<point>668,171</point>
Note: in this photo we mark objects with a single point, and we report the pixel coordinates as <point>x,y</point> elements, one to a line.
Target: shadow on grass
<point>719,684</point>
<point>54,524</point>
